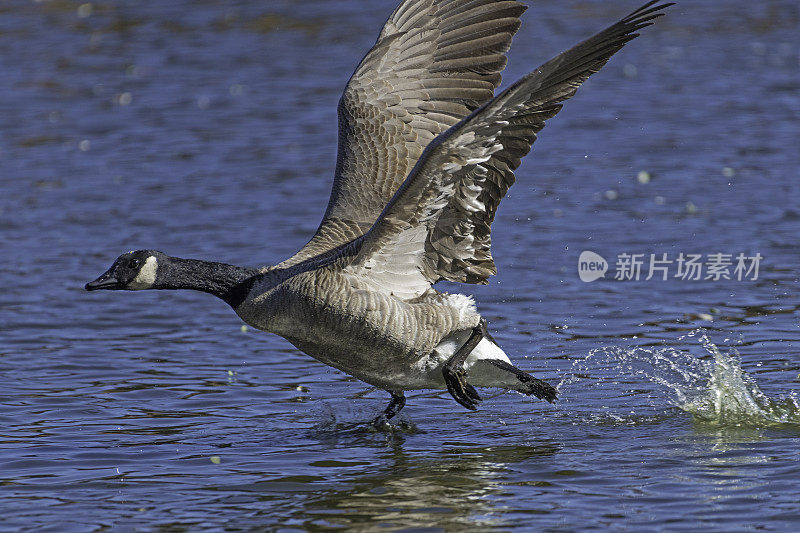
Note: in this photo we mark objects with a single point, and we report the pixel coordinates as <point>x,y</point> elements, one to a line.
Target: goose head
<point>131,271</point>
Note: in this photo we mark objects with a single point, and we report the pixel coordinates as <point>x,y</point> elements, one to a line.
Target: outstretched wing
<point>437,225</point>
<point>435,62</point>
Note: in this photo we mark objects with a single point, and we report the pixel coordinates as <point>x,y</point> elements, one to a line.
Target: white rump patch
<point>465,305</point>
<point>485,349</point>
<point>146,277</point>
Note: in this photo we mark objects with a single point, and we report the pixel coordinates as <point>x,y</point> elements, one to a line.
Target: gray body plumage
<point>344,322</point>
<point>426,153</point>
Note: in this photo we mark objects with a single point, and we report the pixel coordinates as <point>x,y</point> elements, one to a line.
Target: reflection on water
<point>456,487</point>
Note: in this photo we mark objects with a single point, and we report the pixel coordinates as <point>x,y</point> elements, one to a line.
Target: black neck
<point>229,282</point>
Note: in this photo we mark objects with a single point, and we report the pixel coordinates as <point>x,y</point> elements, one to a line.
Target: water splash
<point>711,386</point>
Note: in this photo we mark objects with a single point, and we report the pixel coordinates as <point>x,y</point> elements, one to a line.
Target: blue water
<point>208,129</point>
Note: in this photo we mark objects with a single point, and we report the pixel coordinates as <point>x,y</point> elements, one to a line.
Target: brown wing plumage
<point>435,62</point>
<point>437,225</point>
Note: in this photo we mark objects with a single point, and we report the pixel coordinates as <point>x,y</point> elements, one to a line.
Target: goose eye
<point>134,263</point>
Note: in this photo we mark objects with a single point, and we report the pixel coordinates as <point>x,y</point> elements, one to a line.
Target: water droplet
<point>85,10</point>
<point>237,89</point>
<point>759,48</point>
<point>132,71</point>
<point>630,70</point>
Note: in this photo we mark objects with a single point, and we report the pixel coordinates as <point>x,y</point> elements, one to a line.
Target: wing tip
<point>648,9</point>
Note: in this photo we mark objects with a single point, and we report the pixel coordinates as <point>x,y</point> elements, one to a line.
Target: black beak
<point>106,281</point>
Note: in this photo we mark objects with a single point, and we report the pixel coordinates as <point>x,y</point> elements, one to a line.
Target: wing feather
<point>434,63</point>
<point>447,204</point>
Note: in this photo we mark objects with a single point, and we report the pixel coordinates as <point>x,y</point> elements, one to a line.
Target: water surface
<point>208,129</point>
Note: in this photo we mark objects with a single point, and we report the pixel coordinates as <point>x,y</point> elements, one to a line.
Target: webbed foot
<point>455,376</point>
<point>459,389</point>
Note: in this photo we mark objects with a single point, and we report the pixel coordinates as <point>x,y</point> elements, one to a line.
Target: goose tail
<point>490,367</point>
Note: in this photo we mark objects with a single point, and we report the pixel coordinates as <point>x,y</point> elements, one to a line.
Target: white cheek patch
<point>146,276</point>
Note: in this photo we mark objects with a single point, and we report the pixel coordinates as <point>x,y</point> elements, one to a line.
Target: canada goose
<point>426,153</point>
